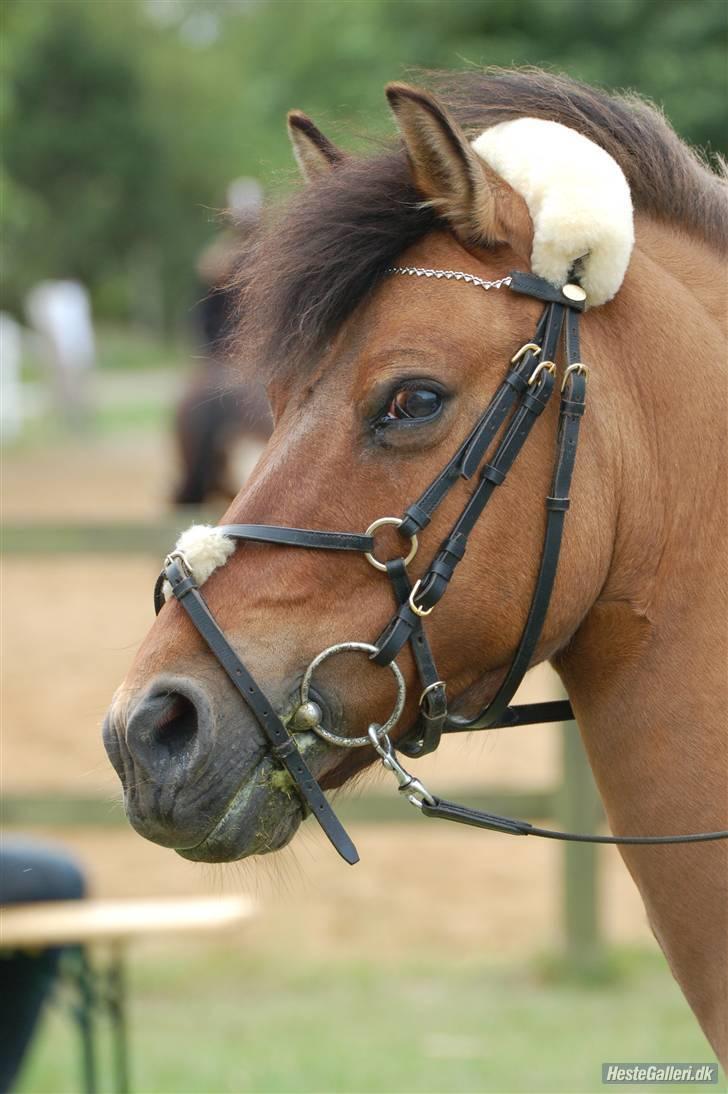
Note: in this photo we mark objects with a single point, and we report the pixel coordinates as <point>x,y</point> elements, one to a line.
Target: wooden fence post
<point>580,811</point>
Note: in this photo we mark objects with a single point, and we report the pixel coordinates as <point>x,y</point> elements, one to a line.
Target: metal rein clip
<point>415,792</point>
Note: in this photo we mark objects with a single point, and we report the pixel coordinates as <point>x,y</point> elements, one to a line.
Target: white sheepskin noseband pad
<point>205,548</point>
<point>577,196</point>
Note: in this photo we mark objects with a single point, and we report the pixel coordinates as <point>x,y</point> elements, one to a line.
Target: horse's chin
<point>263,816</point>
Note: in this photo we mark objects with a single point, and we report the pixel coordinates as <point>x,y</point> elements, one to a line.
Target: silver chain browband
<point>449,275</point>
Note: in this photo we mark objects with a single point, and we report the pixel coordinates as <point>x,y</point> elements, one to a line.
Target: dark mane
<point>335,238</point>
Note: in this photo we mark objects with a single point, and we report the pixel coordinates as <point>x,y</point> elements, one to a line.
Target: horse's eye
<point>416,402</point>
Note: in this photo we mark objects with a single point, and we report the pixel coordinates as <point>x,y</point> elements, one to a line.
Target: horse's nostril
<point>176,725</point>
<point>170,731</point>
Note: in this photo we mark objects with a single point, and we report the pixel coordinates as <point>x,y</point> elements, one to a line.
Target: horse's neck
<point>663,386</point>
<point>647,667</point>
<point>646,670</point>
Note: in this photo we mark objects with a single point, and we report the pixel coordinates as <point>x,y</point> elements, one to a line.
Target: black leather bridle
<point>510,416</point>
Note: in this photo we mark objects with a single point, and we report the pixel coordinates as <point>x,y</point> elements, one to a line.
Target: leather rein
<point>510,416</point>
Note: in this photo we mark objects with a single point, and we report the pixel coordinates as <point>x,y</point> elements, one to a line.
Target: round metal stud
<point>574,292</point>
<point>307,716</point>
<point>396,522</point>
<point>335,738</point>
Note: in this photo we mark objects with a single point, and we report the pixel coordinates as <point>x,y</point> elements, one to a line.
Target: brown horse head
<point>370,398</point>
<point>374,380</point>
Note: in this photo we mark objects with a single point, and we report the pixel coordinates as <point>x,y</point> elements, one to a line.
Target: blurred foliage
<point>125,119</point>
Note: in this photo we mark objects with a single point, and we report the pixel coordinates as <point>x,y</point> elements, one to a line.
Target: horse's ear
<point>315,154</point>
<point>478,203</point>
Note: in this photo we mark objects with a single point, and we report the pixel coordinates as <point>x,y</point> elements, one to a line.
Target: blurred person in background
<point>222,422</point>
<point>60,314</point>
<point>11,396</point>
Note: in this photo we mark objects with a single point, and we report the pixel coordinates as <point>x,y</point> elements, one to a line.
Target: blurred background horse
<point>223,420</point>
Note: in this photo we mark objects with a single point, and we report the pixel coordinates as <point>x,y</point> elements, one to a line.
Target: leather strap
<point>531,285</point>
<point>425,737</point>
<point>299,537</point>
<point>285,537</point>
<point>441,809</point>
<point>573,401</point>
<point>469,455</point>
<point>466,460</point>
<point>525,714</point>
<point>452,550</point>
<point>283,746</point>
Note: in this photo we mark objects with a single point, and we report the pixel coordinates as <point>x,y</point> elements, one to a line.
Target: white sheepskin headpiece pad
<point>205,548</point>
<point>577,196</point>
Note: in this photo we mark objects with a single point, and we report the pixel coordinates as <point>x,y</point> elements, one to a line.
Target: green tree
<point>79,154</point>
<point>125,119</point>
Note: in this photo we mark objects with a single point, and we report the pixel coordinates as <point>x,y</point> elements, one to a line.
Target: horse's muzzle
<point>196,778</point>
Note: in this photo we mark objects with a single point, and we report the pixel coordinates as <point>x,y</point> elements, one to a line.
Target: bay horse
<point>379,349</point>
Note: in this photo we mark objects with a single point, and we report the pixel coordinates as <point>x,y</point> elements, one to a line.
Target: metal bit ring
<point>348,647</point>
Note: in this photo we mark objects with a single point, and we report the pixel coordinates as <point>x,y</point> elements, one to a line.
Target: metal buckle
<point>542,366</point>
<point>576,367</point>
<point>530,347</point>
<point>415,791</point>
<point>428,689</point>
<point>335,738</point>
<point>421,612</point>
<point>396,522</point>
<point>181,558</point>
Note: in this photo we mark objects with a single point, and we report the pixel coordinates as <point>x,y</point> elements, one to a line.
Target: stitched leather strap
<point>572,408</point>
<point>466,460</point>
<point>283,746</point>
<point>452,550</point>
<point>299,537</point>
<point>425,737</point>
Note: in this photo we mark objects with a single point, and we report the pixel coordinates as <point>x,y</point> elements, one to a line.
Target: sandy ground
<point>90,479</point>
<point>421,883</point>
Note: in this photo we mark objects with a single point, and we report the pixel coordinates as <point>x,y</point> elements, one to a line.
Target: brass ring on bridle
<point>396,522</point>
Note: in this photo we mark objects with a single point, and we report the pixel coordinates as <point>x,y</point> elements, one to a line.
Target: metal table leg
<point>116,996</point>
<point>83,1013</point>
<point>99,992</point>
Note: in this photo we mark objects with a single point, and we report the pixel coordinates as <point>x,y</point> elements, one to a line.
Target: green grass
<point>124,348</point>
<point>217,1020</point>
<point>144,416</point>
<point>141,416</point>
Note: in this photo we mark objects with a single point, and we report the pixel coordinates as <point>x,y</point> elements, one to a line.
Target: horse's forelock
<point>323,254</point>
